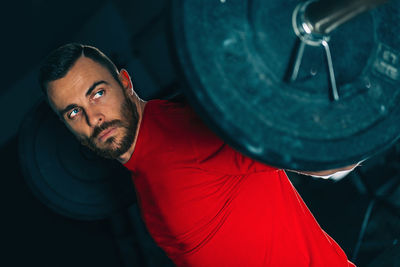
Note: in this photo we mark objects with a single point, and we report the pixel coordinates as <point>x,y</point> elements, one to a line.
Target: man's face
<point>96,108</point>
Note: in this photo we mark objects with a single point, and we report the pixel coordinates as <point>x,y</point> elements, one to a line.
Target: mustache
<point>98,129</point>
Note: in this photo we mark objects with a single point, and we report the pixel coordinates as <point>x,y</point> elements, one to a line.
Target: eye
<point>98,94</point>
<point>73,113</point>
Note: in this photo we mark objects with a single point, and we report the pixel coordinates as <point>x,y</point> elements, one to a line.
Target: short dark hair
<point>57,64</point>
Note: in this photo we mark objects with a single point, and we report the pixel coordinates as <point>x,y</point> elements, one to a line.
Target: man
<point>203,203</point>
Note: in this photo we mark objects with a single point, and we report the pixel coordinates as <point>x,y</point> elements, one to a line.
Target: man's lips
<point>105,133</point>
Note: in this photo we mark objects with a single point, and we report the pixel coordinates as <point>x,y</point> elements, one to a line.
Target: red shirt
<point>205,204</point>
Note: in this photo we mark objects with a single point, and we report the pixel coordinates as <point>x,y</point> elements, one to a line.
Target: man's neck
<point>124,158</point>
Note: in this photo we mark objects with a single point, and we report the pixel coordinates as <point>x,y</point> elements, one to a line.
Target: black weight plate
<point>67,177</point>
<point>234,55</point>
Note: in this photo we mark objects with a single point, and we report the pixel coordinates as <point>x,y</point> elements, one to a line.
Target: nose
<point>94,118</point>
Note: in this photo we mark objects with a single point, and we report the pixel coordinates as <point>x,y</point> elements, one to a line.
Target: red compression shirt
<point>207,205</point>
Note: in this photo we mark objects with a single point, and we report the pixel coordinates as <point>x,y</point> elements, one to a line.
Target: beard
<point>128,126</point>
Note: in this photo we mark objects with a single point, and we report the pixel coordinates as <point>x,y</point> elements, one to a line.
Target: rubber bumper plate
<point>67,177</point>
<point>234,55</point>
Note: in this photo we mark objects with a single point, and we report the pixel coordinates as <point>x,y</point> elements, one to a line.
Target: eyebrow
<point>88,92</point>
<point>69,107</point>
<point>94,85</point>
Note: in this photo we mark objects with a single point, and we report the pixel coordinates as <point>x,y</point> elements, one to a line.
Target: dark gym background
<point>33,235</point>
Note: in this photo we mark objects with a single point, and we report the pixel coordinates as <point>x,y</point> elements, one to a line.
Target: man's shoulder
<point>156,106</point>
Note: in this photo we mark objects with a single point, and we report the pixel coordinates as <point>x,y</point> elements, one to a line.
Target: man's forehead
<point>78,79</point>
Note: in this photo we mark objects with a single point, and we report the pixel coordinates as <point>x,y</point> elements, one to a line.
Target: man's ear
<point>126,81</point>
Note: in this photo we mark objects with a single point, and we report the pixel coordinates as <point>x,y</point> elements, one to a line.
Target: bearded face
<point>98,108</point>
<point>113,147</point>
